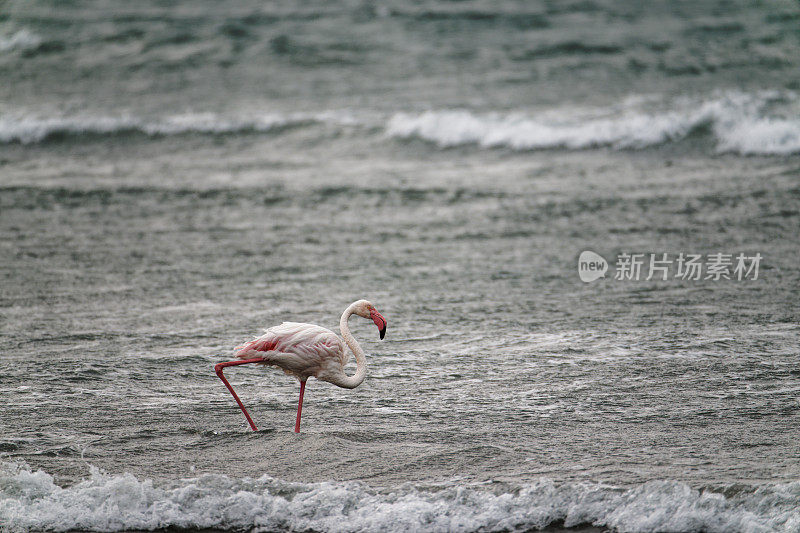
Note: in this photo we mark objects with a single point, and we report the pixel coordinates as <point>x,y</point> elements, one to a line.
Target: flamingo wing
<point>301,350</point>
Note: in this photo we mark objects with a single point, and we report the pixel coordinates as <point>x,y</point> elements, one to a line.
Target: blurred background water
<point>177,176</point>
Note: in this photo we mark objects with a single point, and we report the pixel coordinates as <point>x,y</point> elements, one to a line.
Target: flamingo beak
<point>379,321</point>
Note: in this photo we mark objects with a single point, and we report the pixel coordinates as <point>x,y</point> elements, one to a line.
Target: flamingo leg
<point>218,369</point>
<point>300,406</point>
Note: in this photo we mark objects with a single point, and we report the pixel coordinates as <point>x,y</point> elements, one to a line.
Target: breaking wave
<point>748,124</point>
<point>739,123</point>
<point>22,39</point>
<point>27,130</point>
<point>31,501</point>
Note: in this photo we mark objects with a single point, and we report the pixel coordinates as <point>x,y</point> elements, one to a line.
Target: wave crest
<point>748,124</point>
<point>32,501</point>
<point>739,123</point>
<point>27,130</point>
<point>22,39</point>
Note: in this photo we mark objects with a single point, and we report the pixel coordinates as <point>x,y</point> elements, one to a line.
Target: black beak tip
<point>383,332</point>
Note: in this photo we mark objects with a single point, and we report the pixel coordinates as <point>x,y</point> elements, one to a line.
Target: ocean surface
<point>177,176</point>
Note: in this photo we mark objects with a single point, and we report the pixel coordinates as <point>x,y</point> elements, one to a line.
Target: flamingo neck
<point>351,382</point>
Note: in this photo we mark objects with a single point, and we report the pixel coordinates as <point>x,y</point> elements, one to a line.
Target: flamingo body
<point>300,350</point>
<point>305,350</point>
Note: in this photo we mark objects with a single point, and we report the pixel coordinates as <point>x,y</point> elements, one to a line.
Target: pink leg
<point>218,369</point>
<point>300,406</point>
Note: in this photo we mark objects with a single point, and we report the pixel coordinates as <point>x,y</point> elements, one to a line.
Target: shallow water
<point>149,223</point>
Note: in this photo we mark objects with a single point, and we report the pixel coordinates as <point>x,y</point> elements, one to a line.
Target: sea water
<point>176,177</point>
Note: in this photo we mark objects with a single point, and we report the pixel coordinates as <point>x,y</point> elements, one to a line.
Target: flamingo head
<point>367,310</point>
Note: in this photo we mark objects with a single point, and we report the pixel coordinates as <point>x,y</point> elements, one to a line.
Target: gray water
<point>176,177</point>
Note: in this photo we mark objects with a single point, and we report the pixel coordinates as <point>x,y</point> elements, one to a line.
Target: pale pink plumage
<point>306,350</point>
<point>300,350</point>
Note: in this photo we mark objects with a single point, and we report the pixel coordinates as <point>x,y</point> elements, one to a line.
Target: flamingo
<point>305,350</point>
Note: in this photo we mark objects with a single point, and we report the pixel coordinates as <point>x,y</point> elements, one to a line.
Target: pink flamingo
<point>305,350</point>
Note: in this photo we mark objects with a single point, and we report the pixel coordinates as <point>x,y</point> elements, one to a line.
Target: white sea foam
<point>769,136</point>
<point>738,122</point>
<point>27,129</point>
<point>22,39</point>
<point>31,501</point>
<point>765,123</point>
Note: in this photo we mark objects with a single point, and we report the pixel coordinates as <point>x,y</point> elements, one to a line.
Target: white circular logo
<point>591,266</point>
